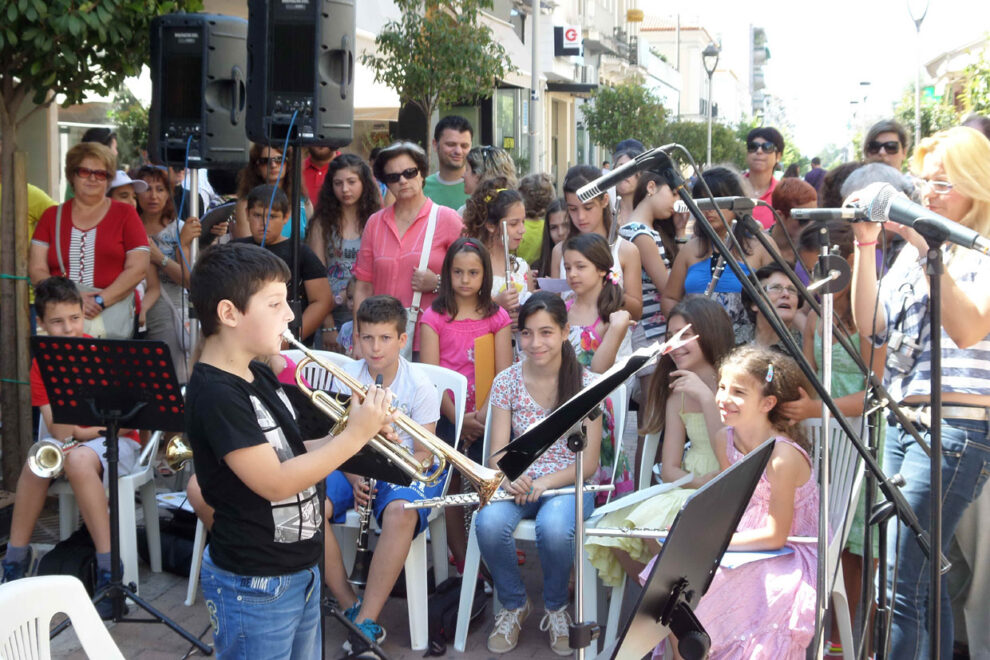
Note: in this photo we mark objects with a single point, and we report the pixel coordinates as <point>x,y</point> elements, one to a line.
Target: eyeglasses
<point>937,187</point>
<point>891,147</point>
<point>86,173</point>
<point>272,161</point>
<point>393,177</point>
<point>765,147</point>
<point>779,289</point>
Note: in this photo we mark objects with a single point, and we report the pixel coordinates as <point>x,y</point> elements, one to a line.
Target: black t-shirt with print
<point>251,536</point>
<point>310,266</point>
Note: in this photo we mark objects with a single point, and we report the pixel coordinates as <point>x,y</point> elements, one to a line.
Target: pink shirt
<point>457,343</point>
<point>388,260</point>
<point>762,214</point>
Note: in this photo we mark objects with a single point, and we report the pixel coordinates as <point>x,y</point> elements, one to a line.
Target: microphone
<point>740,205</point>
<point>853,213</point>
<point>645,160</point>
<point>887,203</point>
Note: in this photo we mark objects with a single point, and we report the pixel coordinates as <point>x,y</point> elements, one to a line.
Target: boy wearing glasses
<point>886,142</point>
<point>764,149</point>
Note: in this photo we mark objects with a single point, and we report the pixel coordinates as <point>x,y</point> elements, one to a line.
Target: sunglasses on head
<point>86,173</point>
<point>765,147</point>
<point>891,147</point>
<point>393,177</point>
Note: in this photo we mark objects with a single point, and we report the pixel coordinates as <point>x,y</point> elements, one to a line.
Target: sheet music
<point>639,496</point>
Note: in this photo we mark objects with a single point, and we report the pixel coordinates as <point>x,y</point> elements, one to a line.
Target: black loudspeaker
<point>198,74</point>
<point>301,65</point>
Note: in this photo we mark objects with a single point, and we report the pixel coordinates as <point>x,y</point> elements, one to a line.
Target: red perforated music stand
<point>109,382</point>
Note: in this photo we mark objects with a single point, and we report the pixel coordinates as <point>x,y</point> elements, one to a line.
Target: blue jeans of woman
<point>263,617</point>
<point>554,516</point>
<point>965,468</point>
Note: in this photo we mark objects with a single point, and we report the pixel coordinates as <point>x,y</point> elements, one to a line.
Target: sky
<point>820,52</point>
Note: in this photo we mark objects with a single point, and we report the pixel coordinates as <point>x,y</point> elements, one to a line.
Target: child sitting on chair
<point>59,307</point>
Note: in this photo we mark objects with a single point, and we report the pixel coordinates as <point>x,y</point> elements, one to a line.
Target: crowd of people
<point>529,293</point>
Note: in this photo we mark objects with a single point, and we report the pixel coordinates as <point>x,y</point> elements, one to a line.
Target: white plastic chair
<point>141,480</point>
<point>846,473</point>
<point>416,561</point>
<point>526,531</point>
<point>26,610</point>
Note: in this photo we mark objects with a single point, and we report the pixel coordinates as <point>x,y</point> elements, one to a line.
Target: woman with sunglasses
<point>886,142</point>
<point>393,238</point>
<point>102,246</point>
<point>764,149</point>
<point>267,165</point>
<point>954,168</point>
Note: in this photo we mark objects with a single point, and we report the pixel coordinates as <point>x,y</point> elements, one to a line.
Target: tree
<point>439,54</point>
<point>693,135</point>
<point>976,94</point>
<point>51,49</point>
<point>131,121</point>
<point>936,114</point>
<point>628,110</point>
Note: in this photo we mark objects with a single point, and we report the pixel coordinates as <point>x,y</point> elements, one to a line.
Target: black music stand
<point>110,382</point>
<point>688,559</point>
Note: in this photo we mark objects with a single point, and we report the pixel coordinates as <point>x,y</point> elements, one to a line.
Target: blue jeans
<point>965,468</point>
<point>554,540</point>
<point>263,617</point>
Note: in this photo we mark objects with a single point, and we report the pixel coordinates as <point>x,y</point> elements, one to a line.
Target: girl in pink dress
<point>766,608</point>
<point>463,312</point>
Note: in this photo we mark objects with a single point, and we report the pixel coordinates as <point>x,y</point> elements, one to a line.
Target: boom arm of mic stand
<point>904,511</point>
<point>843,338</point>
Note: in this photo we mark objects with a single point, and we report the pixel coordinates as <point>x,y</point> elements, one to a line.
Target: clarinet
<point>510,261</point>
<point>362,556</point>
<point>719,268</point>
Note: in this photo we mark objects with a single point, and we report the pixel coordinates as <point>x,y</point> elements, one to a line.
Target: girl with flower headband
<point>598,325</point>
<point>463,322</point>
<point>765,608</point>
<point>493,204</point>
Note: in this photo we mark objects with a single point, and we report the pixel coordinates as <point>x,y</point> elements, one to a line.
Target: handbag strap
<point>424,257</point>
<point>58,239</point>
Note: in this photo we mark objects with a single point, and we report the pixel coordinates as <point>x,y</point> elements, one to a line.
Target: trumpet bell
<point>177,453</point>
<point>46,458</point>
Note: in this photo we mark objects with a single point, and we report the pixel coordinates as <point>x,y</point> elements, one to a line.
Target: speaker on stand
<point>300,87</point>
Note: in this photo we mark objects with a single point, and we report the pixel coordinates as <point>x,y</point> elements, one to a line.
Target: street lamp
<point>709,59</point>
<point>917,9</point>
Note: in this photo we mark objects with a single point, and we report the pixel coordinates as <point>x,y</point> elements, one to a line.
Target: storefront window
<point>510,126</point>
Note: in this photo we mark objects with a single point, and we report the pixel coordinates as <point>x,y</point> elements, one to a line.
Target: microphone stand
<point>903,510</point>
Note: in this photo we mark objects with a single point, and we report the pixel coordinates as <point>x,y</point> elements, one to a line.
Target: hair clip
<point>770,372</point>
<point>613,276</point>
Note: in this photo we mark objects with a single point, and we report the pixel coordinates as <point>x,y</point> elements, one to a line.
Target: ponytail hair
<point>595,249</point>
<point>712,324</point>
<point>778,376</point>
<point>484,210</point>
<point>569,380</point>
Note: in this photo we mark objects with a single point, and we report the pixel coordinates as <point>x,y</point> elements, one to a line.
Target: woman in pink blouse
<point>392,241</point>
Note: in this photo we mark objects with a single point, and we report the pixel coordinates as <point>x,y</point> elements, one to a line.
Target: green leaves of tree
<point>628,110</point>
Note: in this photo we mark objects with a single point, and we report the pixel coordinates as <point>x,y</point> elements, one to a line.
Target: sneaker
<point>508,624</point>
<point>352,611</point>
<point>105,607</point>
<point>558,622</point>
<point>369,631</point>
<point>21,569</point>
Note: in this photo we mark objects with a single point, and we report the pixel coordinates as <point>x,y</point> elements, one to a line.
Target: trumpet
<point>46,458</point>
<point>177,453</point>
<point>484,480</point>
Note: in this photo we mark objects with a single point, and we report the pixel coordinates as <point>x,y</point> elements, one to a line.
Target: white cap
<point>121,179</point>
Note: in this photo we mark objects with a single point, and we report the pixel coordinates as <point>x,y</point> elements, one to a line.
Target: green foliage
<point>439,53</point>
<point>131,120</point>
<point>976,94</point>
<point>935,114</point>
<point>74,47</point>
<point>726,146</point>
<point>628,110</point>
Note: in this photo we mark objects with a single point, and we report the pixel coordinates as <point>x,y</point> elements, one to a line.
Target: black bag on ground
<point>177,533</point>
<point>74,556</point>
<point>443,606</point>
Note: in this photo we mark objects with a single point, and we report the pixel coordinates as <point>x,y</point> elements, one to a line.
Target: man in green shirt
<point>451,141</point>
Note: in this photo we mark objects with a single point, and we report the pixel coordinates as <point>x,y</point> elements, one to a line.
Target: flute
<point>509,263</point>
<point>469,499</point>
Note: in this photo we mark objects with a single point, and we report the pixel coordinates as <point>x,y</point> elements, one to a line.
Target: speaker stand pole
<point>295,238</point>
<point>194,211</point>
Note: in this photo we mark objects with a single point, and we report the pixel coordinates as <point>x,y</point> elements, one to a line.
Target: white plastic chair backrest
<point>447,380</point>
<point>620,406</point>
<point>845,473</point>
<point>316,376</point>
<point>646,462</point>
<point>26,610</point>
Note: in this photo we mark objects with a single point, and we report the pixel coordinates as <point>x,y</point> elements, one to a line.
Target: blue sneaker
<point>352,611</point>
<point>105,607</point>
<point>20,569</point>
<point>369,631</point>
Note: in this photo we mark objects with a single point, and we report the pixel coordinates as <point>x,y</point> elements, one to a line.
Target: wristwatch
<point>98,299</point>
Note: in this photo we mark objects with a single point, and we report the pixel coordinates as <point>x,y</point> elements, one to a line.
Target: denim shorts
<point>262,616</point>
<point>342,497</point>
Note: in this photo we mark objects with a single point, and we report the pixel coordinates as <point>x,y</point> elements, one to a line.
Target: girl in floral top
<point>598,342</point>
<point>522,395</point>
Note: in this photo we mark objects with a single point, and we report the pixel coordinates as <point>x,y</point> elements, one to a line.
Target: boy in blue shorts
<point>260,578</point>
<point>59,307</point>
<point>381,332</point>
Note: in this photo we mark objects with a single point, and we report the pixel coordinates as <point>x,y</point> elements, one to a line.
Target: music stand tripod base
<point>111,382</point>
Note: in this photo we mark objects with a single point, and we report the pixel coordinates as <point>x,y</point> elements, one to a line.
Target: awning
<point>373,101</point>
<point>516,51</point>
<point>571,87</point>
